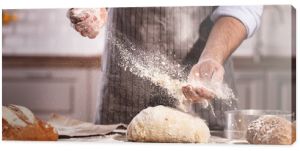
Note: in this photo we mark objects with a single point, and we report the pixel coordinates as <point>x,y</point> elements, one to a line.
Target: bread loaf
<point>19,123</point>
<point>270,129</point>
<point>167,125</point>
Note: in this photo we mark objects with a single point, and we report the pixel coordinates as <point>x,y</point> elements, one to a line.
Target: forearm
<point>227,34</point>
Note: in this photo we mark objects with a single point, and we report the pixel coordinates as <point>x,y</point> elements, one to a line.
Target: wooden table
<point>121,138</point>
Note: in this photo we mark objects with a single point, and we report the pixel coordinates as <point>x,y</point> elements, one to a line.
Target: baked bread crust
<point>19,123</point>
<point>271,129</point>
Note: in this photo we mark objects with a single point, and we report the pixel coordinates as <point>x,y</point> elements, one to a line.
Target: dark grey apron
<point>177,32</point>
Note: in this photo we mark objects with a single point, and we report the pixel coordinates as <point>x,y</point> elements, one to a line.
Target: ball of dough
<point>165,124</point>
<point>270,129</point>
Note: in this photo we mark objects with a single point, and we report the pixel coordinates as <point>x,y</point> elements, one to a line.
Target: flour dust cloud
<point>162,72</point>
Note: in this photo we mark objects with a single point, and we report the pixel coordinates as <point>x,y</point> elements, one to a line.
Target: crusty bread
<point>167,125</point>
<point>19,123</point>
<point>294,131</point>
<point>271,129</point>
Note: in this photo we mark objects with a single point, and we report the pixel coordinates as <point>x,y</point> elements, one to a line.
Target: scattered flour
<point>162,72</point>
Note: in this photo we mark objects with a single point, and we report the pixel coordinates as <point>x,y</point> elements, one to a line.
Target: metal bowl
<point>237,121</point>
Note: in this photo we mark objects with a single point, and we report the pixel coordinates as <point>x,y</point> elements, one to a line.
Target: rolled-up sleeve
<point>250,16</point>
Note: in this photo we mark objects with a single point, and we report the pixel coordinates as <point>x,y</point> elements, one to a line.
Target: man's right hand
<point>88,22</point>
<point>206,70</point>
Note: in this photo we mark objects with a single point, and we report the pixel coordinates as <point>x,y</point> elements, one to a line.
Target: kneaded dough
<point>271,129</point>
<point>167,125</point>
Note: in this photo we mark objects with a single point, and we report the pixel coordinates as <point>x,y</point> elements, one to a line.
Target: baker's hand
<point>87,21</point>
<point>207,70</point>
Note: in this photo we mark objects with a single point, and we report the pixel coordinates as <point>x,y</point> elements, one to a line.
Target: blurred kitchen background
<point>49,68</point>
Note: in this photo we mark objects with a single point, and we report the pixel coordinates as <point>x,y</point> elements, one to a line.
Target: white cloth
<point>249,15</point>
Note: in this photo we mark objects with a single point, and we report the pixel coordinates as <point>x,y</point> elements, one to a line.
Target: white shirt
<point>250,16</point>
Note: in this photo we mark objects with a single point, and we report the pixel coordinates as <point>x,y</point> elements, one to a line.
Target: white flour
<point>162,72</point>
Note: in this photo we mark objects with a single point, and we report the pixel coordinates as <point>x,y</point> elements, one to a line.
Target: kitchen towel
<point>67,127</point>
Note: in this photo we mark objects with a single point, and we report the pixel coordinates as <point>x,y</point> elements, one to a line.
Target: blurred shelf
<point>51,62</point>
<point>266,62</point>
